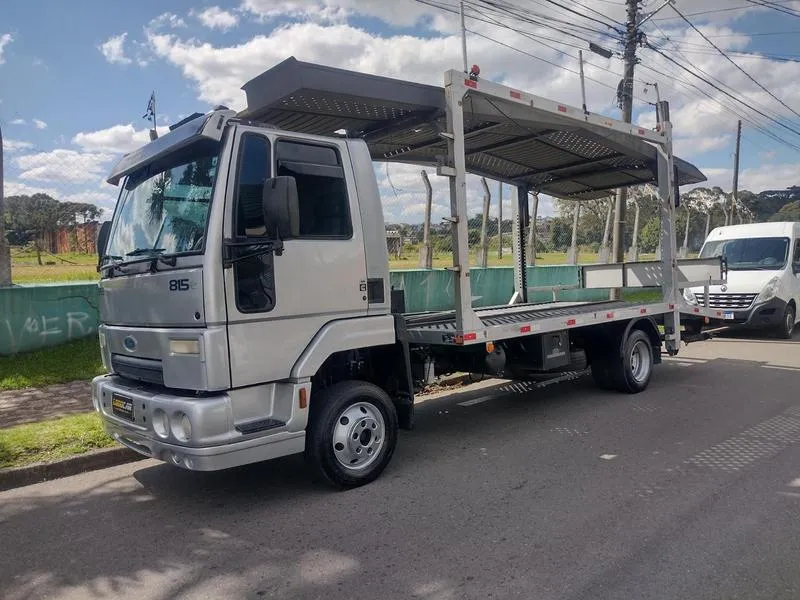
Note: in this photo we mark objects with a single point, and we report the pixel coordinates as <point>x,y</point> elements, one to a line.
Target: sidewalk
<point>37,404</point>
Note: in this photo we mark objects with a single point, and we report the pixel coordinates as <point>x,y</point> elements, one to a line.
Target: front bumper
<point>765,315</point>
<point>154,428</point>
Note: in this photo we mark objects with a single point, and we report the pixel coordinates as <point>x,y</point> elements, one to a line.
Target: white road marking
<point>782,368</point>
<point>608,456</point>
<point>475,401</point>
<point>698,361</point>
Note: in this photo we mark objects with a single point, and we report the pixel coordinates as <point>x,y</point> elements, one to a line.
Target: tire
<point>352,433</point>
<point>602,374</point>
<point>786,327</point>
<point>632,371</point>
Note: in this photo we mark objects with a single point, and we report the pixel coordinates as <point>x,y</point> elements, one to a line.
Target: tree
<point>30,219</point>
<point>651,232</point>
<point>789,212</point>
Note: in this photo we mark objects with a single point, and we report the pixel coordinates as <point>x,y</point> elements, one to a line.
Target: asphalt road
<point>689,490</point>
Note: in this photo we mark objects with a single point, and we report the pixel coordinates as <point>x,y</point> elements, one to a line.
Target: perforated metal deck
<point>512,321</point>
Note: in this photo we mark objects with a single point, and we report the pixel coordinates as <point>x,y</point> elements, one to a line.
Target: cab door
<point>277,303</point>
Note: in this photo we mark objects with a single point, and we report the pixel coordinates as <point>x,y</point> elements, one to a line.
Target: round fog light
<point>182,427</point>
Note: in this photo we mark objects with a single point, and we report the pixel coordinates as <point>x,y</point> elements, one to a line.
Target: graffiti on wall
<point>43,330</point>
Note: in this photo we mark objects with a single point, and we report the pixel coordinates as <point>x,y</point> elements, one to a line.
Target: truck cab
<point>234,244</point>
<point>762,290</point>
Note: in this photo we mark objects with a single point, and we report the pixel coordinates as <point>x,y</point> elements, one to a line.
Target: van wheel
<point>786,328</point>
<point>352,434</point>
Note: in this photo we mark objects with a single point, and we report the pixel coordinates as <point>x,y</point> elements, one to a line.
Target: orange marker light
<point>302,400</point>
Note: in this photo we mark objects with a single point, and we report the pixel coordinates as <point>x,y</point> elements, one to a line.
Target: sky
<point>76,77</point>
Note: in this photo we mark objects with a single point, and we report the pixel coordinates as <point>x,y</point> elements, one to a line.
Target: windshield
<point>164,208</point>
<point>749,254</point>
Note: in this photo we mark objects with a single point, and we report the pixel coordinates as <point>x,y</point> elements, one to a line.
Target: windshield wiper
<point>145,251</point>
<point>157,254</point>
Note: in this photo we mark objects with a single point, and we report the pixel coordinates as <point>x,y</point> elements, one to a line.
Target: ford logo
<point>723,288</point>
<point>130,343</point>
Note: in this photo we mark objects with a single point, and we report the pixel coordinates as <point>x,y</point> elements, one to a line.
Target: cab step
<point>260,425</point>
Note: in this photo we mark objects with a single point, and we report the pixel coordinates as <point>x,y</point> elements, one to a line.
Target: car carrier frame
<point>215,388</point>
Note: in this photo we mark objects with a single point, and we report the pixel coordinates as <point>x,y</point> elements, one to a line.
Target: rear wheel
<point>627,369</point>
<point>786,328</point>
<point>353,433</point>
<point>632,370</point>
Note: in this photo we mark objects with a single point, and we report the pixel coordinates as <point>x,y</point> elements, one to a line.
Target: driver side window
<point>254,276</point>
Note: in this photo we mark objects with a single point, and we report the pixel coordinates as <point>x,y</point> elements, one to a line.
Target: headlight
<point>689,296</point>
<point>770,290</point>
<point>184,347</point>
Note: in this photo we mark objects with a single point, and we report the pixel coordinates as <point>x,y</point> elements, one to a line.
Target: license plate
<point>122,407</point>
<point>729,316</point>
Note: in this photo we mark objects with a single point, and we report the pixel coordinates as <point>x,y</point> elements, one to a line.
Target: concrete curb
<point>91,461</point>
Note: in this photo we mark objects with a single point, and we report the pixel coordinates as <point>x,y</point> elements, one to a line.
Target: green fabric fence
<point>37,316</point>
<point>433,289</point>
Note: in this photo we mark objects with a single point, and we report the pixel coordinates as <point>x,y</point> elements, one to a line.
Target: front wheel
<point>352,434</point>
<point>786,328</point>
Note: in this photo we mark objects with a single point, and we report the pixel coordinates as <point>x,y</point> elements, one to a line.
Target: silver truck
<point>246,305</point>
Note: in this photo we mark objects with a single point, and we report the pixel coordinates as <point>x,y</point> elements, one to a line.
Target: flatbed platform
<point>503,322</point>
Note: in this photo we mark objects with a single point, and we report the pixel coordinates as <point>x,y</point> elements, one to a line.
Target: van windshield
<point>750,254</point>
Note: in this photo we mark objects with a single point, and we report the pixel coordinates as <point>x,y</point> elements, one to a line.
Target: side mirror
<point>796,268</point>
<point>102,240</point>
<point>281,208</point>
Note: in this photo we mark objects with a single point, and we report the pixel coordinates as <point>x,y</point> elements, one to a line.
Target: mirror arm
<point>265,246</point>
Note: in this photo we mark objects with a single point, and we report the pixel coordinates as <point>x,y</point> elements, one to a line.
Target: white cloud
<point>5,40</point>
<point>167,20</point>
<point>62,165</point>
<point>15,145</point>
<point>114,49</point>
<point>116,139</point>
<point>19,188</point>
<point>39,124</point>
<point>18,122</point>
<point>755,179</point>
<point>216,18</point>
<point>219,72</point>
<point>104,200</point>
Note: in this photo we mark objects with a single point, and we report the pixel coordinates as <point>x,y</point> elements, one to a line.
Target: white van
<point>763,284</point>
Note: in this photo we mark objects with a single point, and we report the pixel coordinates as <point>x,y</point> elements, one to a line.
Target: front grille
<point>139,369</point>
<point>730,301</point>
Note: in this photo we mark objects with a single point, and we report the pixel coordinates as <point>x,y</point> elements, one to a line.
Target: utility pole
<point>626,102</point>
<point>735,194</point>
<point>5,257</point>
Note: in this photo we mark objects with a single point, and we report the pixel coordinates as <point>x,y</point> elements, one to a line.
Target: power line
<point>580,14</point>
<point>704,12</point>
<point>675,78</point>
<point>540,19</point>
<point>774,6</point>
<point>537,38</point>
<point>730,60</point>
<point>773,113</point>
<point>719,89</point>
<point>544,60</point>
